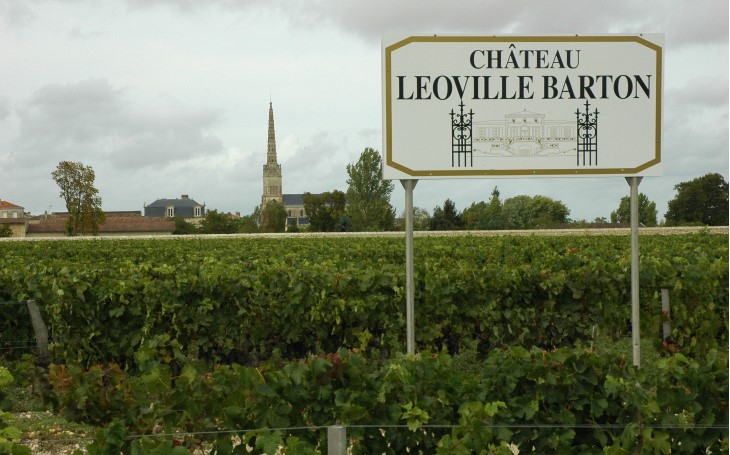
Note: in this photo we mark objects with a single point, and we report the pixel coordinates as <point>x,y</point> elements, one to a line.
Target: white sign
<point>458,106</point>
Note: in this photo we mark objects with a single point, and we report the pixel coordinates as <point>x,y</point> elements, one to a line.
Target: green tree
<point>421,220</point>
<point>292,225</point>
<point>647,211</point>
<point>484,216</point>
<point>446,218</point>
<point>83,202</point>
<point>368,195</point>
<point>183,227</point>
<point>531,212</point>
<point>324,210</point>
<point>218,223</point>
<point>475,216</point>
<point>273,217</point>
<point>703,200</point>
<point>249,223</point>
<point>5,231</point>
<point>344,224</point>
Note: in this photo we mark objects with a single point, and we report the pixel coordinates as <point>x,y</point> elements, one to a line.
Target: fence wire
<point>387,427</point>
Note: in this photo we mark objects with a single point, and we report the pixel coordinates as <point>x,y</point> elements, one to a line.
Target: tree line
<point>702,201</point>
<point>365,206</point>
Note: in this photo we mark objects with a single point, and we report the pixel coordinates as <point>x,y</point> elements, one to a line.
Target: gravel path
<point>542,232</point>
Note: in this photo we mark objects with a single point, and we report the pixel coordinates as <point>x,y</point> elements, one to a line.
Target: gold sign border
<point>521,39</point>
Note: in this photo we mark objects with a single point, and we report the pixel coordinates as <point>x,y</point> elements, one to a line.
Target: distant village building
<point>54,224</point>
<point>120,223</point>
<point>14,216</point>
<point>272,179</point>
<point>185,207</point>
<point>294,206</point>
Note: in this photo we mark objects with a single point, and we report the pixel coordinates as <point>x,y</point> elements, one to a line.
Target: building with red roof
<point>13,215</point>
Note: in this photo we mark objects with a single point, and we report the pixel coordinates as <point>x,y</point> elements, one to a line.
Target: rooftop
<point>183,201</point>
<point>8,205</point>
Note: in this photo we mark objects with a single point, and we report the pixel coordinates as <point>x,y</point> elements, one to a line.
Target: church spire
<point>272,169</point>
<point>271,152</point>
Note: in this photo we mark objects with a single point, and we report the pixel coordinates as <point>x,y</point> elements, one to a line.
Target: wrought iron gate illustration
<point>587,137</point>
<point>461,138</point>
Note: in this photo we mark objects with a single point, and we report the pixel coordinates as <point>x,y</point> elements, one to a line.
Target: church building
<point>293,203</point>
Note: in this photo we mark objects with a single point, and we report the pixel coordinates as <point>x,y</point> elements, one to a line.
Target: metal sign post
<point>408,185</point>
<point>635,329</point>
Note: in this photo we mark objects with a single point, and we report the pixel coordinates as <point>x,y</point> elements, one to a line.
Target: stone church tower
<point>272,169</point>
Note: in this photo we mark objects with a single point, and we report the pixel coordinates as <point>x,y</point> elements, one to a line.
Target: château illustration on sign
<point>458,106</point>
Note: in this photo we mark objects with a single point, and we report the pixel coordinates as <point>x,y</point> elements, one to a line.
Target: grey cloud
<point>160,146</point>
<point>66,121</point>
<point>683,22</point>
<point>15,13</point>
<point>77,33</point>
<point>182,5</point>
<point>709,91</point>
<point>693,151</point>
<point>698,112</point>
<point>704,24</point>
<point>370,134</point>
<point>190,6</point>
<point>695,23</point>
<point>5,108</point>
<point>695,130</point>
<point>310,168</point>
<point>92,118</point>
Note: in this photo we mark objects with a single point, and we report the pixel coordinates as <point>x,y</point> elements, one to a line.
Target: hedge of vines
<point>566,400</point>
<point>172,336</point>
<point>244,299</point>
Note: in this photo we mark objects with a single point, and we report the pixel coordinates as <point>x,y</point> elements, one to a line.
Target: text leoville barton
<point>501,81</point>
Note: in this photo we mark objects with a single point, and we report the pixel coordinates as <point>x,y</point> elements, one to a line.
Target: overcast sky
<point>171,97</point>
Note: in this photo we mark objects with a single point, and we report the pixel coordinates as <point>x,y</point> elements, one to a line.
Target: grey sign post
<point>635,329</point>
<point>408,185</point>
<point>336,440</point>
